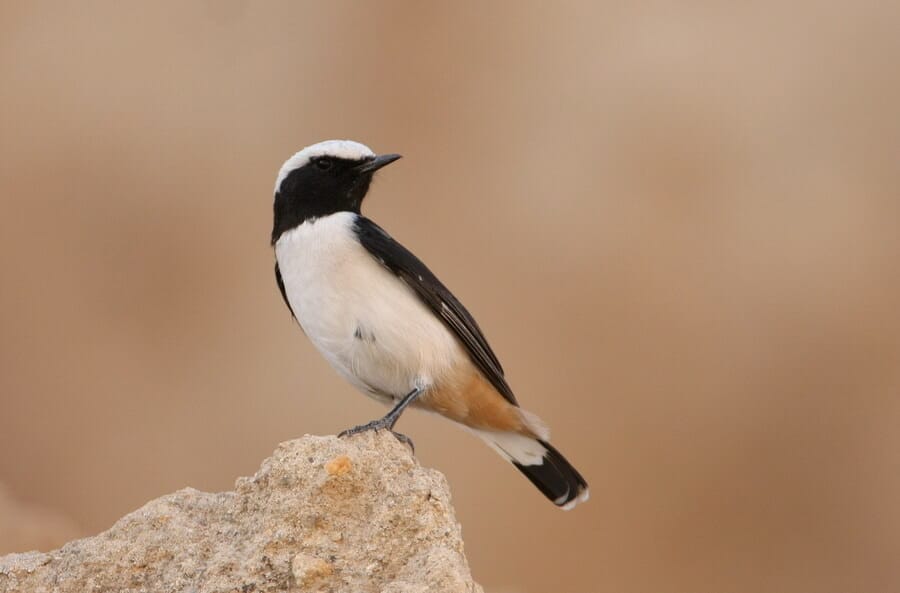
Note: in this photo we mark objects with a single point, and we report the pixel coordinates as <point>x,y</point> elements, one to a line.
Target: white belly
<point>366,322</point>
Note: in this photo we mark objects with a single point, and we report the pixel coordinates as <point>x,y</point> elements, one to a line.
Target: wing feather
<point>399,260</point>
<point>280,282</point>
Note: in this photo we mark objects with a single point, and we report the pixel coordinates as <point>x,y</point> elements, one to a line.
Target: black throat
<point>314,190</point>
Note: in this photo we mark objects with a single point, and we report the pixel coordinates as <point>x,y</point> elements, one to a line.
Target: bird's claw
<point>376,425</point>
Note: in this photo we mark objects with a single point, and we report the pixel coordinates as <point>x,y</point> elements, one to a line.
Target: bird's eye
<point>323,163</point>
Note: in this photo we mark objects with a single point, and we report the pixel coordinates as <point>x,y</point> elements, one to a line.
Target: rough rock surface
<point>322,514</point>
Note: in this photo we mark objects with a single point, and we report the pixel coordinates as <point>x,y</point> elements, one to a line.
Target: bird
<point>386,323</point>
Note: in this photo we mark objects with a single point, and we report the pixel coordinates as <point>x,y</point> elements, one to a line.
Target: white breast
<point>367,323</point>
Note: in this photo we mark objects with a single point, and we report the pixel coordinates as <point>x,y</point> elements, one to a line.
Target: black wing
<point>439,299</point>
<point>280,282</point>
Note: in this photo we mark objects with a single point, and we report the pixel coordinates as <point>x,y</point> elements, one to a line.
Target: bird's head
<point>324,178</point>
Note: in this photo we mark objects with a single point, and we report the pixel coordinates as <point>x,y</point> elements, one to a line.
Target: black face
<point>323,186</point>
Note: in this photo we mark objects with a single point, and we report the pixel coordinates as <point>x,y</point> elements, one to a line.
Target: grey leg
<point>389,420</point>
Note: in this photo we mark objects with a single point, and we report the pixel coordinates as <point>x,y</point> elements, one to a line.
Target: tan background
<point>678,225</point>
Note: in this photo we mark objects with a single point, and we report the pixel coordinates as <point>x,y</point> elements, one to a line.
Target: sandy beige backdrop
<point>678,225</point>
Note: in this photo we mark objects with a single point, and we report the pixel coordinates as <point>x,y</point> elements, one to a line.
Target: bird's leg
<point>389,420</point>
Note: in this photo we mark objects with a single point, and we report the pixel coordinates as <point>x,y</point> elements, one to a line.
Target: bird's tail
<point>541,463</point>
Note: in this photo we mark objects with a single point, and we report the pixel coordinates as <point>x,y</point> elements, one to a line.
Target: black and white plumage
<point>386,323</point>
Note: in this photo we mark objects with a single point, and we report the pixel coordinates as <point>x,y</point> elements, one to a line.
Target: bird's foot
<point>386,423</point>
<point>375,425</point>
<point>389,420</point>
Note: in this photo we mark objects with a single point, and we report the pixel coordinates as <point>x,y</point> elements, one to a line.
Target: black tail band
<point>555,477</point>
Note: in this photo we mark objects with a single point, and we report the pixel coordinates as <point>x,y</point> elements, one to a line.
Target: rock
<point>322,514</point>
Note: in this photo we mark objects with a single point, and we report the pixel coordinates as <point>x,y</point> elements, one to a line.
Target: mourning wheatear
<point>387,324</point>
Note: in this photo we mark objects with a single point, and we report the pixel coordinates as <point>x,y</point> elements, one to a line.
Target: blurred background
<point>677,224</point>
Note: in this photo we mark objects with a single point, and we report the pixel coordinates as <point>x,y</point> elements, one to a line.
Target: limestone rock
<point>322,514</point>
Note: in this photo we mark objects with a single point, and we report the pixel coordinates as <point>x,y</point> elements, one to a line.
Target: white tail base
<point>514,447</point>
